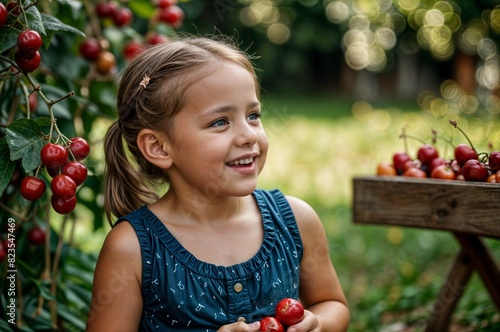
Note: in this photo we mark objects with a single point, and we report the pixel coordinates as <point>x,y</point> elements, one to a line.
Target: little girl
<point>213,253</point>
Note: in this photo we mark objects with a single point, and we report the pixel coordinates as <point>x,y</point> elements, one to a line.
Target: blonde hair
<point>151,92</point>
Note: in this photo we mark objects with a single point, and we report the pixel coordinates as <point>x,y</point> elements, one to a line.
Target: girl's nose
<point>246,135</point>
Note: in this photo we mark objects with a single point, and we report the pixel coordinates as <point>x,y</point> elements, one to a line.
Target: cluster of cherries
<point>27,56</point>
<point>91,50</point>
<point>288,312</point>
<point>167,12</point>
<point>95,51</point>
<point>466,165</point>
<point>67,174</point>
<point>29,42</point>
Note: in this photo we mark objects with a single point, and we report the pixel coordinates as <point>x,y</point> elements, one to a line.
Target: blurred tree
<point>399,47</point>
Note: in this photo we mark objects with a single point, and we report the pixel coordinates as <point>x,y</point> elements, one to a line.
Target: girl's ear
<point>155,147</point>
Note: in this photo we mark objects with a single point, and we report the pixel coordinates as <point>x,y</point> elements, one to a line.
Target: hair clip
<point>145,81</point>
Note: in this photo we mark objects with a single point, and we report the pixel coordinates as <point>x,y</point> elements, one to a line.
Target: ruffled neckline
<point>210,270</point>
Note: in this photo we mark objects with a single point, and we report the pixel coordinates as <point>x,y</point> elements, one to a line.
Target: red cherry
<point>435,163</point>
<point>415,172</point>
<point>386,169</point>
<point>271,324</point>
<point>13,8</point>
<point>172,15</point>
<point>122,17</point>
<point>3,14</point>
<point>132,49</point>
<point>53,172</point>
<point>165,3</point>
<point>79,147</point>
<point>289,311</point>
<point>33,102</point>
<point>491,178</point>
<point>89,49</point>
<point>426,153</point>
<point>3,253</point>
<point>443,172</point>
<point>398,159</point>
<point>463,152</point>
<point>474,170</point>
<point>27,65</point>
<point>409,164</point>
<point>106,9</point>
<point>36,235</point>
<point>63,186</point>
<point>157,38</point>
<point>76,171</point>
<point>63,206</point>
<point>53,155</point>
<point>494,160</point>
<point>105,62</point>
<point>32,188</point>
<point>29,42</point>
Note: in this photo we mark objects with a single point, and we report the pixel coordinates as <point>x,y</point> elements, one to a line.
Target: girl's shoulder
<point>308,221</point>
<point>122,242</point>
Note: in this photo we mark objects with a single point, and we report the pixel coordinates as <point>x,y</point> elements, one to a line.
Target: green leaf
<point>142,8</point>
<point>35,20</point>
<point>4,326</point>
<point>43,287</point>
<point>70,317</point>
<point>7,166</point>
<point>52,23</point>
<point>43,121</point>
<point>25,141</point>
<point>8,37</point>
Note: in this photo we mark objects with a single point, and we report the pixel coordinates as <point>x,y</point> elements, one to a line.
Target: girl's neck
<point>199,209</point>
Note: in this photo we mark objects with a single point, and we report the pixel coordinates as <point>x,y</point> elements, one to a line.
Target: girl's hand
<point>309,323</point>
<point>240,327</point>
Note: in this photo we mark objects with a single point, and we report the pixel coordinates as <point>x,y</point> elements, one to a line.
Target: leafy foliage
<point>48,286</point>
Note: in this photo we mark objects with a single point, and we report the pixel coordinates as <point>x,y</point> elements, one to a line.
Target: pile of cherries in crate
<point>466,165</point>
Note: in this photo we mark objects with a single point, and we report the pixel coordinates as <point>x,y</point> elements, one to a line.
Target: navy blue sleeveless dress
<point>182,293</point>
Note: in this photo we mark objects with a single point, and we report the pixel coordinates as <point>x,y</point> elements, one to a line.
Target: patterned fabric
<point>182,293</point>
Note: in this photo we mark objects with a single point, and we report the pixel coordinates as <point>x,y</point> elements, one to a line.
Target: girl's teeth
<point>242,162</point>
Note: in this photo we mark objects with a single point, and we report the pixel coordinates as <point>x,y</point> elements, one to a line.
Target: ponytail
<point>124,188</point>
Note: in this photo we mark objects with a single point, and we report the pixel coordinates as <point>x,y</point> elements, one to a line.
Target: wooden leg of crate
<point>450,293</point>
<point>483,262</point>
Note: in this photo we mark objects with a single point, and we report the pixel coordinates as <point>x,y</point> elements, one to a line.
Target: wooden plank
<point>450,293</point>
<point>483,262</point>
<point>468,207</point>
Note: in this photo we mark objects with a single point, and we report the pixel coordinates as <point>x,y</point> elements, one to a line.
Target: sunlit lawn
<point>390,275</point>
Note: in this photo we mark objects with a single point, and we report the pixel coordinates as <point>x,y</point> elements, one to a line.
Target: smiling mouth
<point>246,161</point>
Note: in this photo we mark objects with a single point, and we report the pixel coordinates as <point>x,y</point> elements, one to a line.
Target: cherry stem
<point>416,138</point>
<point>404,137</point>
<point>454,124</point>
<point>26,95</point>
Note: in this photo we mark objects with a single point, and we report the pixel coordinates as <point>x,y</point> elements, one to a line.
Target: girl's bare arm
<point>320,289</point>
<point>116,297</point>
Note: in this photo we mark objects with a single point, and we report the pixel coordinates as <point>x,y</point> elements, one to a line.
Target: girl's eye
<point>219,123</point>
<point>254,116</point>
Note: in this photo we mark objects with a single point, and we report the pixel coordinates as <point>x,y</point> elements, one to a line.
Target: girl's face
<point>220,145</point>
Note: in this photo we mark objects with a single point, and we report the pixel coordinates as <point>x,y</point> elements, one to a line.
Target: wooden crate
<point>468,210</point>
<point>457,206</point>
